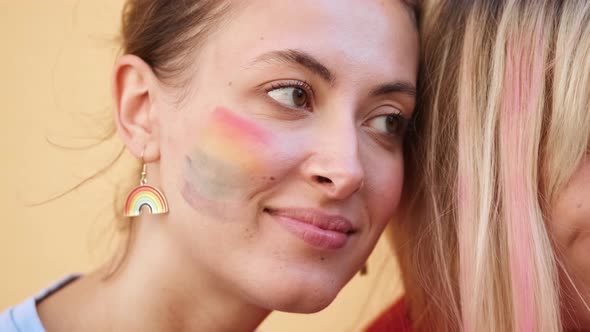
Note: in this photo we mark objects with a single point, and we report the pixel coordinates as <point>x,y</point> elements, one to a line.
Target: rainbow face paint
<point>235,127</point>
<point>229,155</point>
<point>232,140</point>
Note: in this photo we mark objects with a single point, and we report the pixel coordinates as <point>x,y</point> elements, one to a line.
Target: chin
<point>301,296</point>
<point>303,303</point>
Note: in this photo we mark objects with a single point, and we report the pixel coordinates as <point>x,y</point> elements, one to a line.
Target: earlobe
<point>133,87</point>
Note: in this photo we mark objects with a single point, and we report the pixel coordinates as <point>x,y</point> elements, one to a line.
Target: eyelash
<point>304,85</point>
<point>290,84</point>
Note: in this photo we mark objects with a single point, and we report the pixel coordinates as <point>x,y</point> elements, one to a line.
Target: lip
<point>316,228</point>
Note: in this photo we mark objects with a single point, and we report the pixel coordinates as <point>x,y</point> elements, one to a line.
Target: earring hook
<point>143,180</point>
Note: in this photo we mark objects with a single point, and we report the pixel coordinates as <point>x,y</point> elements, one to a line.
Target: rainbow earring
<point>145,195</point>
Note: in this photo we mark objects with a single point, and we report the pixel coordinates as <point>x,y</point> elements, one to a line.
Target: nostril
<point>322,179</point>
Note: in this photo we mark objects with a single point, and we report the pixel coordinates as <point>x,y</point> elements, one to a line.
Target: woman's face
<point>570,229</point>
<point>283,163</point>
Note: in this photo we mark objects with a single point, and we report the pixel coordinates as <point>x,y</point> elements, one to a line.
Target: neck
<point>162,288</point>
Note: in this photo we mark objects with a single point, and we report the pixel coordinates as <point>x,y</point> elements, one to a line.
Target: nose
<point>335,166</point>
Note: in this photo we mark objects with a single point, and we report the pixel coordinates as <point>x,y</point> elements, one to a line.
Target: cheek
<point>233,159</point>
<point>570,217</point>
<point>385,180</point>
<point>570,227</point>
<point>235,128</point>
<point>569,224</point>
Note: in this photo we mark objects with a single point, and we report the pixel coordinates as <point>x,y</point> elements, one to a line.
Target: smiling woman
<point>275,137</point>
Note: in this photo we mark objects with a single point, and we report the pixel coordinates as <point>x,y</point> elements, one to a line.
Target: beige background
<point>55,64</point>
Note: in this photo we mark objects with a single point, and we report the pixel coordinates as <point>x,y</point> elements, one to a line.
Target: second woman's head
<point>509,97</point>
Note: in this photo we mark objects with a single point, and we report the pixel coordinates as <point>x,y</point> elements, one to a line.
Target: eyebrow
<point>402,87</point>
<point>301,58</point>
<point>292,56</point>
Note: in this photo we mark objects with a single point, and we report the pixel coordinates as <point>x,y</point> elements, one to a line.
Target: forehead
<point>349,34</point>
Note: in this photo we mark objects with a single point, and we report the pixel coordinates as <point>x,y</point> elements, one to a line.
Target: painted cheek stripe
<point>238,128</point>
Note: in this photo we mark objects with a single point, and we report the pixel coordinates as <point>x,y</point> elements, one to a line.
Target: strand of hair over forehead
<point>508,273</point>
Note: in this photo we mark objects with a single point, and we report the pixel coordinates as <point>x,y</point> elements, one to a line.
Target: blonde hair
<point>505,123</point>
<point>424,243</point>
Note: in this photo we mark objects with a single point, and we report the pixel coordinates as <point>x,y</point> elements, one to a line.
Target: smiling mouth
<point>318,229</point>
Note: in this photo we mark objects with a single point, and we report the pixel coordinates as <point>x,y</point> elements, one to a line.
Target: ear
<point>134,87</point>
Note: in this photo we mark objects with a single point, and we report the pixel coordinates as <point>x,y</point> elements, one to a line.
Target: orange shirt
<point>394,319</point>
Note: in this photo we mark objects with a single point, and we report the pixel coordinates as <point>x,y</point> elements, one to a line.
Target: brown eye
<point>299,97</point>
<point>393,123</point>
<point>290,96</point>
<point>389,124</point>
